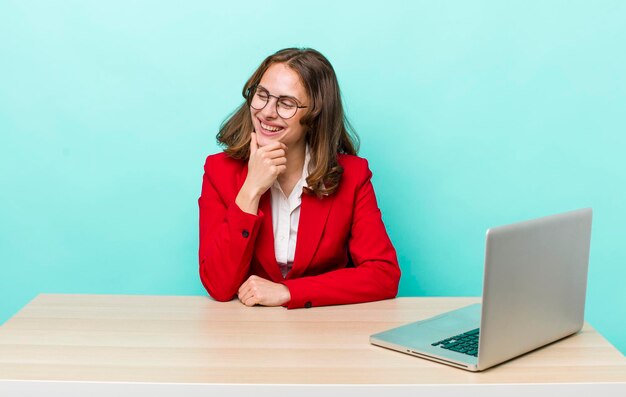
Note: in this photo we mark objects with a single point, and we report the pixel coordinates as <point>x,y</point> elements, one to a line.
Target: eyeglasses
<point>259,97</point>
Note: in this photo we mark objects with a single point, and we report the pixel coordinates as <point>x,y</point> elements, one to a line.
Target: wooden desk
<point>195,340</point>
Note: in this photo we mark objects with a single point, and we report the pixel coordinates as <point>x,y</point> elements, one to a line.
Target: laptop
<point>534,291</point>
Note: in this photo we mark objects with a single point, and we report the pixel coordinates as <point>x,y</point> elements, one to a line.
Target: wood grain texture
<point>197,340</point>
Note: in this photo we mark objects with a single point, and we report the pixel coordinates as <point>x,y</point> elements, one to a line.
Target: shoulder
<point>349,160</point>
<point>222,166</point>
<point>223,161</point>
<point>354,167</point>
<point>356,170</point>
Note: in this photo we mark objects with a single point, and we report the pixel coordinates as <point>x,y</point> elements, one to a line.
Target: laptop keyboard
<point>466,343</point>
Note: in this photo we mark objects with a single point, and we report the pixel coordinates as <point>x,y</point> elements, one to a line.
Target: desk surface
<point>113,338</point>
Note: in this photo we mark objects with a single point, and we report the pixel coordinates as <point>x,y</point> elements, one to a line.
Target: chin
<point>263,139</point>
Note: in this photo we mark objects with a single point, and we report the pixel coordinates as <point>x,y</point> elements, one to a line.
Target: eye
<point>262,94</point>
<point>287,103</point>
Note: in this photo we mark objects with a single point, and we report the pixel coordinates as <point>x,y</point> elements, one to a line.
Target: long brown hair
<point>328,132</point>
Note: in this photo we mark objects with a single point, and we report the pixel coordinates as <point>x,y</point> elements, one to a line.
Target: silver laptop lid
<point>534,285</point>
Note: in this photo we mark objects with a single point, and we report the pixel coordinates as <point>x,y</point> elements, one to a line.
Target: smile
<point>270,128</point>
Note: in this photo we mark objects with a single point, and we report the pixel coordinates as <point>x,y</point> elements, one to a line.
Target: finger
<point>247,293</point>
<point>243,299</point>
<point>276,153</point>
<point>282,146</point>
<point>254,146</point>
<point>279,161</point>
<point>241,288</point>
<point>274,146</point>
<point>243,302</point>
<point>251,301</point>
<point>242,291</point>
<point>244,286</point>
<point>280,169</point>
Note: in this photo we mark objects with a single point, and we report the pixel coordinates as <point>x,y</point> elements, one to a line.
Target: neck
<point>295,163</point>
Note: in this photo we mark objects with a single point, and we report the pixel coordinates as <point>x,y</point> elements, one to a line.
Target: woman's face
<point>280,81</point>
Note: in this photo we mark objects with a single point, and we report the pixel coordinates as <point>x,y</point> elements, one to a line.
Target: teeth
<point>270,128</point>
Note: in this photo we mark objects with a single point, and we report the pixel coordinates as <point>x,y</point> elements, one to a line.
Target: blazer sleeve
<point>376,273</point>
<point>227,236</point>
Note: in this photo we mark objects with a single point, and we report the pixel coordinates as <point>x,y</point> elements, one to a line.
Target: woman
<point>288,214</point>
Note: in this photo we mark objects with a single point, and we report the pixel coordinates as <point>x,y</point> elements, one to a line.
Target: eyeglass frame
<point>278,98</point>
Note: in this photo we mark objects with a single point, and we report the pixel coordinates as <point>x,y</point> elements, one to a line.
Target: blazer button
<point>245,233</point>
<point>308,304</point>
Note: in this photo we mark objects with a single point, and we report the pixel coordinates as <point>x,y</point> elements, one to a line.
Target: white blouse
<point>285,218</point>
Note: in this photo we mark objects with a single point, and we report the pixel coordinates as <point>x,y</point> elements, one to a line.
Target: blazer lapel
<point>313,217</point>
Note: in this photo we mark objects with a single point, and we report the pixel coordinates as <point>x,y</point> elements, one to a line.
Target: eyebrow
<point>280,96</point>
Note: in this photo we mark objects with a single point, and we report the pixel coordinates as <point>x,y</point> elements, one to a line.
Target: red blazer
<point>343,254</point>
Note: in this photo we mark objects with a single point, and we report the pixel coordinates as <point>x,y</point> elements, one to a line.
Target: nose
<point>269,111</point>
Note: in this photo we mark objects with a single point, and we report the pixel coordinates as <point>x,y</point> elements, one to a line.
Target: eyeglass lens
<point>285,107</point>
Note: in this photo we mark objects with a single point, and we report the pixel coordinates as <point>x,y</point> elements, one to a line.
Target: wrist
<point>251,193</point>
<point>248,199</point>
<point>286,298</point>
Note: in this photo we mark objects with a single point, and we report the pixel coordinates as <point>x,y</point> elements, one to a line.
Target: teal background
<point>471,113</point>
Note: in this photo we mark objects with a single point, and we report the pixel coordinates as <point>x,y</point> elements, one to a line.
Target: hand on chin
<point>265,140</point>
